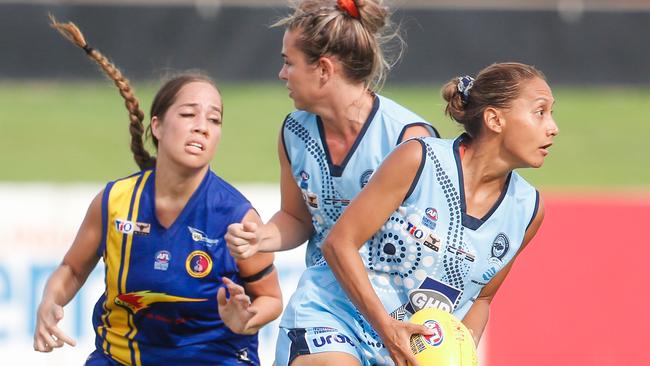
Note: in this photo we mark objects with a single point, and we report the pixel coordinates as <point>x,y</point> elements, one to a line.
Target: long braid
<point>141,156</point>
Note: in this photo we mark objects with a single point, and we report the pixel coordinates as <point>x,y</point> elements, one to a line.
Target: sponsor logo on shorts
<point>323,340</point>
<point>242,355</point>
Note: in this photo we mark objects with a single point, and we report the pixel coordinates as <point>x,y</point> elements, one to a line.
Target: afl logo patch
<point>365,177</point>
<point>198,264</point>
<point>432,213</point>
<point>430,218</point>
<point>437,337</point>
<point>162,260</point>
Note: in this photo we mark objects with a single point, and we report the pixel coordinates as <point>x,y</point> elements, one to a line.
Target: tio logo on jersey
<point>130,227</point>
<point>413,230</point>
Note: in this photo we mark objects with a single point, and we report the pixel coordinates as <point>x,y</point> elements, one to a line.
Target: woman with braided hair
<point>328,148</point>
<point>160,233</point>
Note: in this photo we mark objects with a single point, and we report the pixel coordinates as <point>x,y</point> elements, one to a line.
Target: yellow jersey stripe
<point>127,259</point>
<point>122,205</point>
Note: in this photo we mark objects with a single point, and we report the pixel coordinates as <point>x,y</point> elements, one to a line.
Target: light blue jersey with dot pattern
<point>429,253</point>
<point>328,188</point>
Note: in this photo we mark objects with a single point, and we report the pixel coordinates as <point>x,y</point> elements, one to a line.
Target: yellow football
<point>451,344</point>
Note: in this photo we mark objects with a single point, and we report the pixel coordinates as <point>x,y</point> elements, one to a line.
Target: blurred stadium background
<point>575,297</point>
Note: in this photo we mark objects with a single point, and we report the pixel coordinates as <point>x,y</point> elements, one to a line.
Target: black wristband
<point>259,275</point>
<point>88,49</point>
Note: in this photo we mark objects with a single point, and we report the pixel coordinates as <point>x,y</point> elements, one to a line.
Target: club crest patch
<point>198,264</point>
<point>500,247</point>
<point>365,177</point>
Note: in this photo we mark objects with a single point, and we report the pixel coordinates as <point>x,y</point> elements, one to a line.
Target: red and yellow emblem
<point>198,264</point>
<point>136,301</point>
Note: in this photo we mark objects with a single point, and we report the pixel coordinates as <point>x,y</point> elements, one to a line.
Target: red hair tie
<point>350,7</point>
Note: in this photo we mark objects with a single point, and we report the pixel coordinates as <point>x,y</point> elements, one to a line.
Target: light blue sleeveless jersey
<point>328,188</point>
<point>429,253</point>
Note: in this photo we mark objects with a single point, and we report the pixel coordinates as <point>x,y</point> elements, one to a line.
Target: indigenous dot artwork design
<point>323,217</point>
<point>397,258</point>
<point>455,269</point>
<point>392,250</point>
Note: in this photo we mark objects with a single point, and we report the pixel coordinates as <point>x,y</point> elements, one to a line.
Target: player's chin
<point>297,103</point>
<point>196,162</point>
<point>537,164</point>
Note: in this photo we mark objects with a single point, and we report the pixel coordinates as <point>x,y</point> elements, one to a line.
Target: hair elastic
<point>88,49</point>
<point>465,83</point>
<point>350,7</point>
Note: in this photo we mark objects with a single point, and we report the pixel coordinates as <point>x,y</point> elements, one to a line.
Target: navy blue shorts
<point>98,358</point>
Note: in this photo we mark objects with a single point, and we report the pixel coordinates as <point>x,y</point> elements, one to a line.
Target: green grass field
<point>70,132</point>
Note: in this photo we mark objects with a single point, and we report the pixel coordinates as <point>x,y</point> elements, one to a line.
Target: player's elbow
<point>336,247</point>
<point>330,249</point>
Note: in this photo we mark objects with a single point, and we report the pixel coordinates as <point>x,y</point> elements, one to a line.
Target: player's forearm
<point>284,232</point>
<point>62,285</point>
<point>477,317</point>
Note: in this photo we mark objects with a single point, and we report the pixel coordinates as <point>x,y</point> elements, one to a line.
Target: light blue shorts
<point>319,318</point>
<point>308,341</point>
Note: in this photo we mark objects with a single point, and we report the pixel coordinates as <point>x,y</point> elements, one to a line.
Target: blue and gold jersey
<point>161,283</point>
<point>328,188</point>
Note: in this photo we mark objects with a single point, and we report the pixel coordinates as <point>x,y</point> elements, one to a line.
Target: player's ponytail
<point>495,86</point>
<point>71,32</point>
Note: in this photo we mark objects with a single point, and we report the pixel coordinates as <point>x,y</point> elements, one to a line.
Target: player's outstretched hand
<point>397,337</point>
<point>235,311</point>
<point>47,334</point>
<point>242,239</point>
